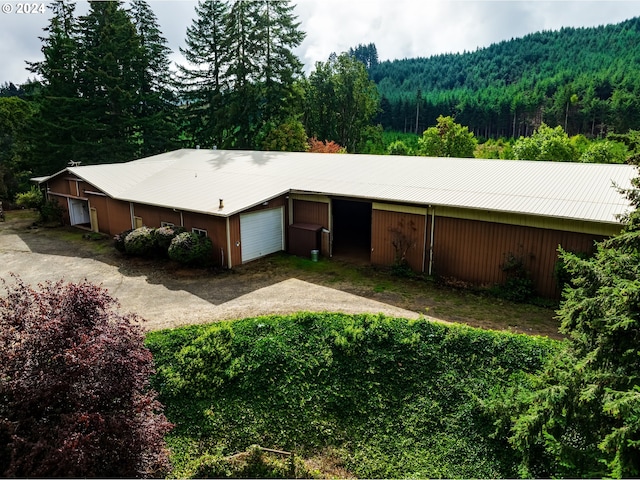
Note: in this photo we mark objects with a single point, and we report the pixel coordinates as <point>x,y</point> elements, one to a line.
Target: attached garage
<point>262,233</point>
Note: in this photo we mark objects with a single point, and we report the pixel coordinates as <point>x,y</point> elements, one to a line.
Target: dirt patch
<point>172,295</point>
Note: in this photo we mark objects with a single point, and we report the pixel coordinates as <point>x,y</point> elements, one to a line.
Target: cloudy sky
<point>399,28</point>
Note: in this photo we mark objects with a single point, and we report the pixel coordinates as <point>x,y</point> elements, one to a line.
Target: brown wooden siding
<point>236,244</point>
<point>386,227</point>
<point>118,214</point>
<point>474,251</point>
<point>316,213</point>
<point>215,227</point>
<point>60,185</point>
<point>154,216</point>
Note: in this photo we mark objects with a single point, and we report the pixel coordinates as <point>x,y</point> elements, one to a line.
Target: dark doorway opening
<point>351,229</point>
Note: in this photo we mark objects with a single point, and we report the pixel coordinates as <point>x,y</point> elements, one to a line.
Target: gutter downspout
<point>133,225</point>
<point>433,225</point>
<point>424,244</point>
<point>229,264</point>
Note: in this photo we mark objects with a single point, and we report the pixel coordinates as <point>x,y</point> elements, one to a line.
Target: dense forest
<point>586,80</point>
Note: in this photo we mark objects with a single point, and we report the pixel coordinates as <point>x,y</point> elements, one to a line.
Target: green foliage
<point>398,147</point>
<point>604,152</point>
<point>340,101</point>
<point>241,80</point>
<point>191,249</point>
<point>31,199</point>
<point>518,286</point>
<point>118,240</point>
<point>397,398</point>
<point>546,143</point>
<point>583,417</point>
<point>105,92</point>
<point>51,212</point>
<point>141,242</point>
<point>15,115</point>
<point>495,149</point>
<point>164,236</point>
<point>447,139</point>
<point>286,137</point>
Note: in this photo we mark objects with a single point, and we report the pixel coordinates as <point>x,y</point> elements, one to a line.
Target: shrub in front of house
<point>190,249</point>
<point>164,236</point>
<point>141,242</point>
<point>118,240</point>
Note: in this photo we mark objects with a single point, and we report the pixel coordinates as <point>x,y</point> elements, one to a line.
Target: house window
<point>166,224</point>
<point>199,231</point>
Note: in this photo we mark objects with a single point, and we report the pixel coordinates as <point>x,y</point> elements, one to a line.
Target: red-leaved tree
<point>74,386</point>
<point>318,146</point>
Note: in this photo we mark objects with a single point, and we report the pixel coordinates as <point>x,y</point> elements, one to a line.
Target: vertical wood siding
<point>216,231</point>
<point>386,226</point>
<point>474,251</point>
<point>117,215</point>
<point>154,216</point>
<point>236,245</point>
<point>311,212</point>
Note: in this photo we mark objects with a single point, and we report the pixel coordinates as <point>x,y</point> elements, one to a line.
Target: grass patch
<point>387,397</point>
<point>422,294</point>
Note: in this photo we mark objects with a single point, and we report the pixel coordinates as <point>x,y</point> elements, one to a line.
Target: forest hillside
<point>586,80</point>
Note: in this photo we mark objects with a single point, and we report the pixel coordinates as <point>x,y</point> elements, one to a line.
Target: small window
<point>166,224</point>
<point>199,231</point>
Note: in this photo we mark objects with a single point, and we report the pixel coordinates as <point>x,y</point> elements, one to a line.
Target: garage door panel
<point>262,233</point>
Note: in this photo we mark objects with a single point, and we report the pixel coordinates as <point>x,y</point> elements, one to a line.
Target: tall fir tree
<point>53,127</point>
<point>110,59</point>
<point>156,113</point>
<point>246,41</point>
<point>243,81</point>
<point>204,82</point>
<point>281,70</point>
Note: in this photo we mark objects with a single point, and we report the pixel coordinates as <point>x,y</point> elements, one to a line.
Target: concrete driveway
<point>175,300</point>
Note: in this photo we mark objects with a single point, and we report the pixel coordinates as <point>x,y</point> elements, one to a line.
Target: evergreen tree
<point>110,59</point>
<point>204,84</point>
<point>55,125</point>
<point>583,418</point>
<point>156,115</point>
<point>281,69</point>
<point>247,42</point>
<point>244,81</point>
<point>367,54</point>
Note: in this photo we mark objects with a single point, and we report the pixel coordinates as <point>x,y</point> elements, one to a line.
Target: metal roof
<point>195,180</point>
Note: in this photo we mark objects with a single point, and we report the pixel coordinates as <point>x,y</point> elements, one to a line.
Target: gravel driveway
<point>179,299</point>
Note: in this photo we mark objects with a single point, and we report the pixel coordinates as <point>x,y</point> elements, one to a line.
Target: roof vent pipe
<point>221,204</point>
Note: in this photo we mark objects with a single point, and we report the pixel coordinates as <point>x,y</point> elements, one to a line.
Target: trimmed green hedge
<point>397,398</point>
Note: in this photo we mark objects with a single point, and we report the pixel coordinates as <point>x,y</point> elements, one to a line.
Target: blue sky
<point>399,28</point>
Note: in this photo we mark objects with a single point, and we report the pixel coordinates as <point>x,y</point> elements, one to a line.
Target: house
<point>458,218</point>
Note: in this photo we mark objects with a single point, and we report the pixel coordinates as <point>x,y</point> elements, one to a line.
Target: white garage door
<point>261,233</point>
